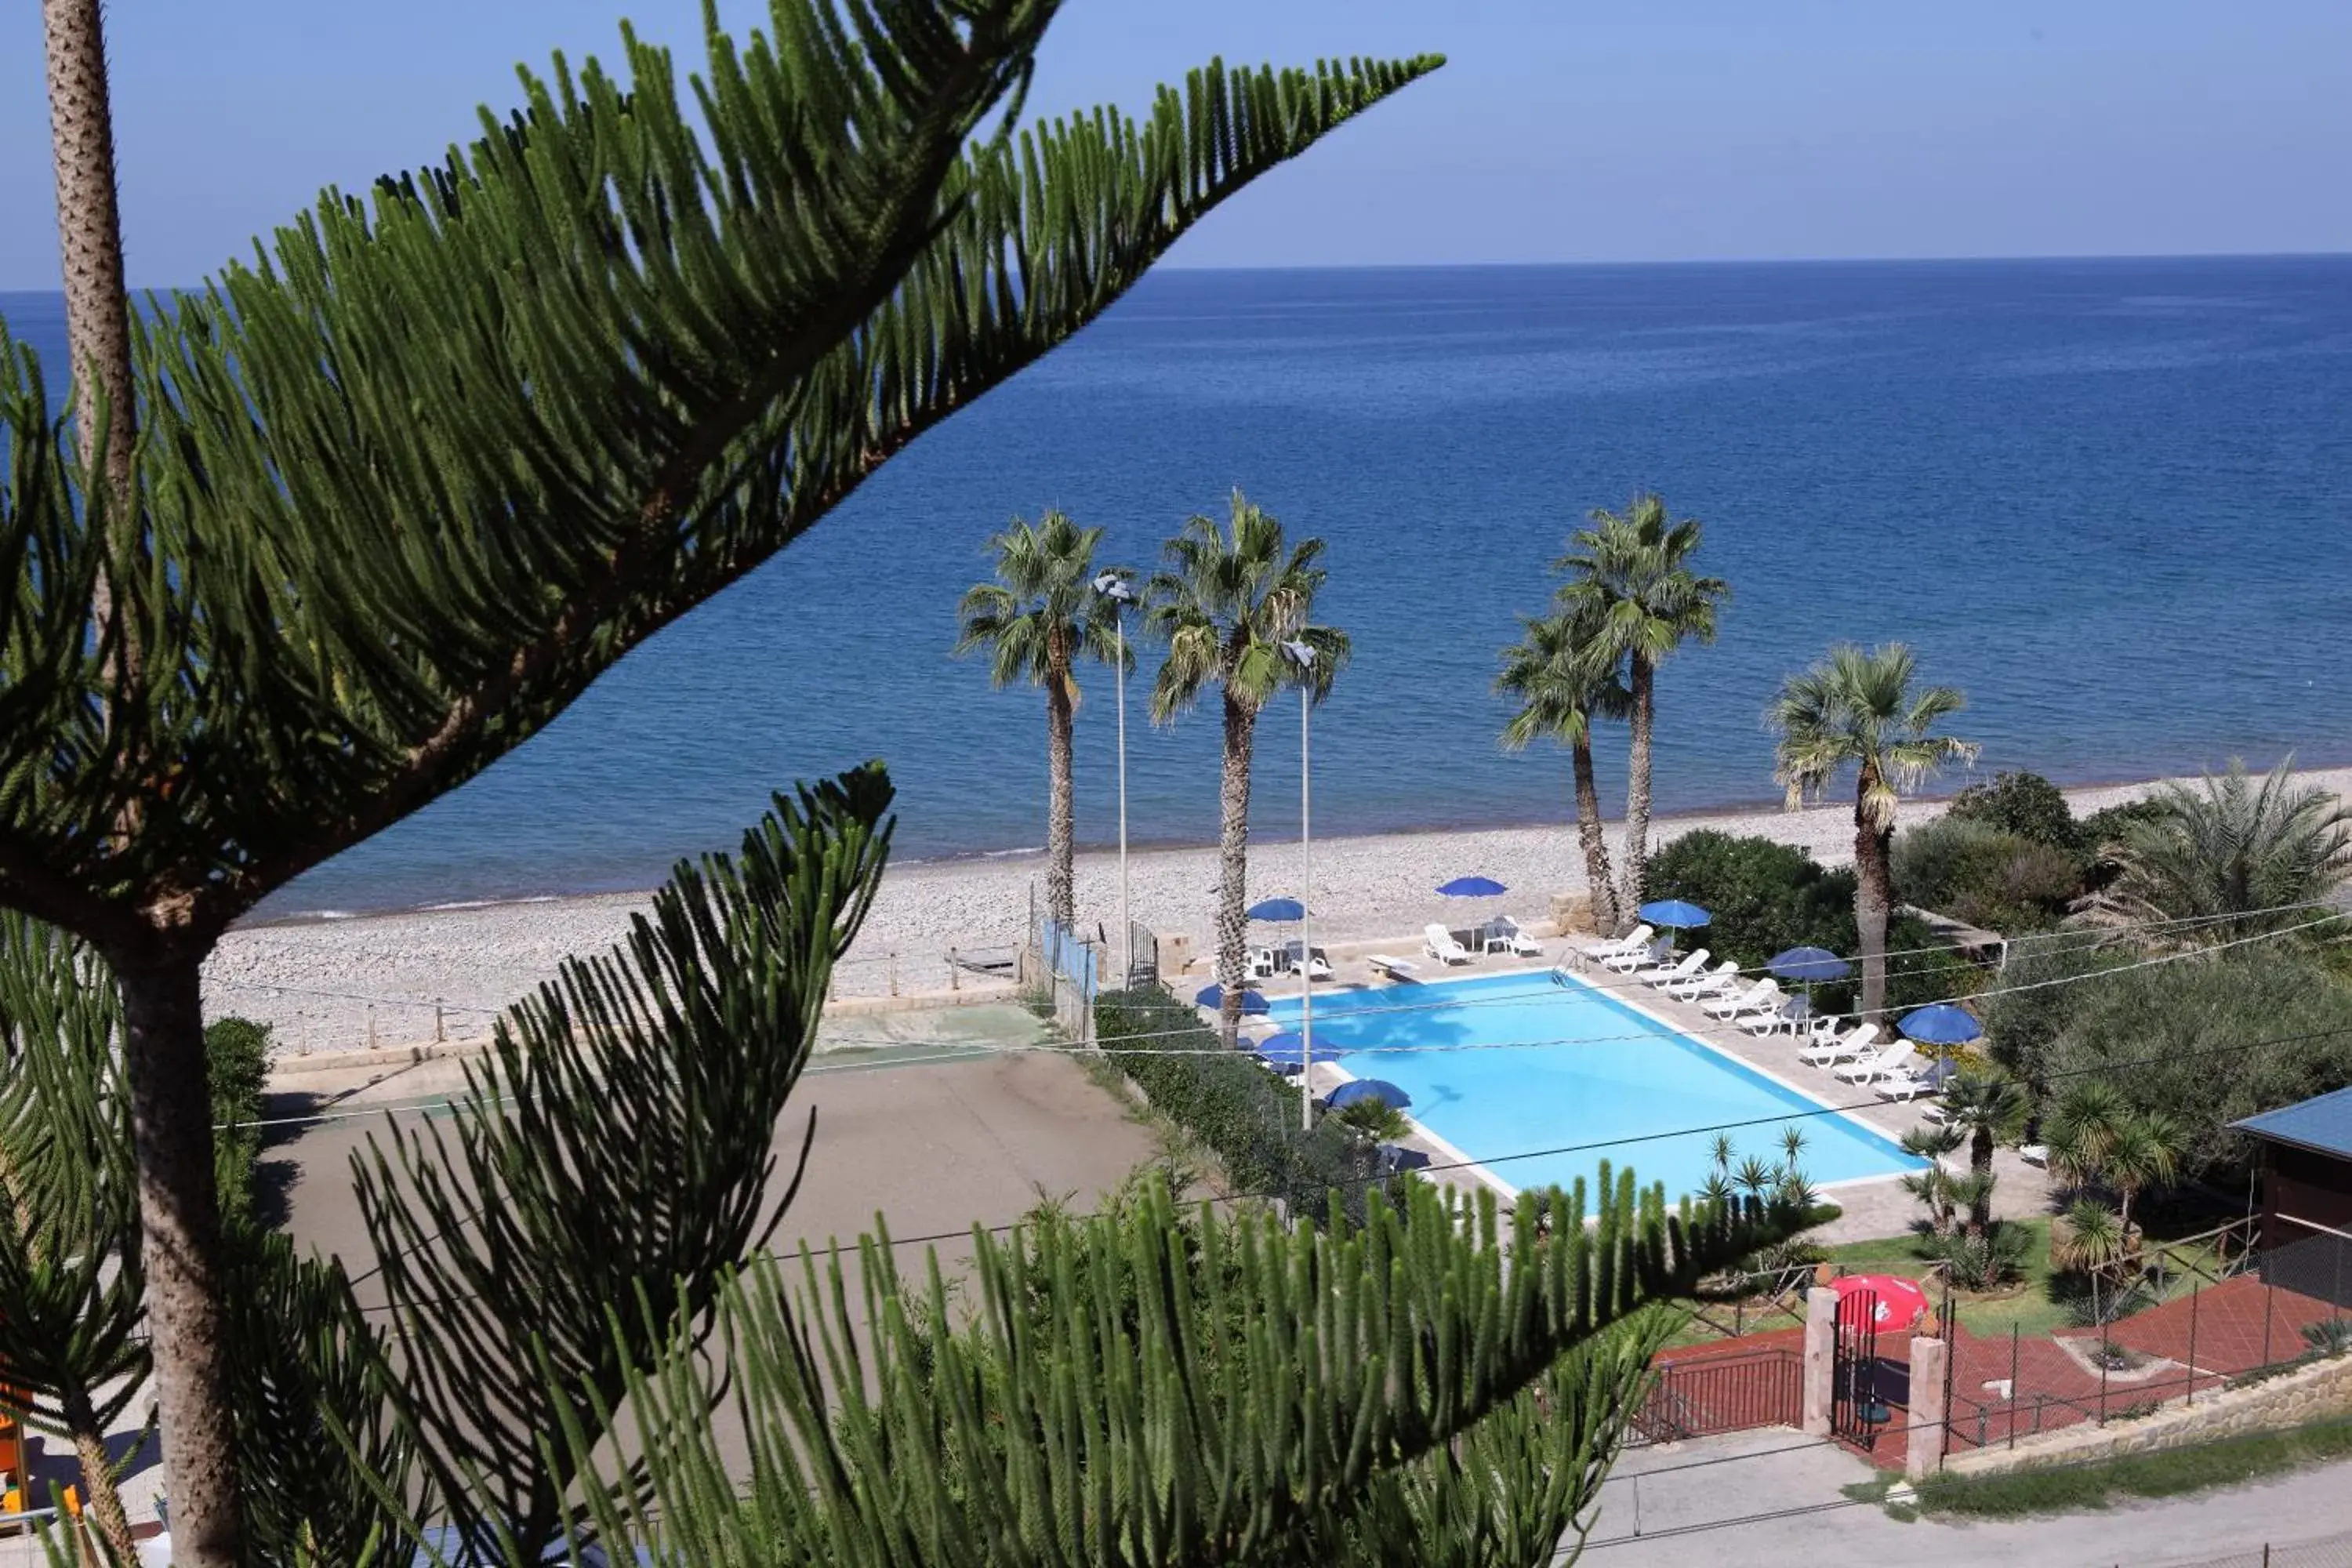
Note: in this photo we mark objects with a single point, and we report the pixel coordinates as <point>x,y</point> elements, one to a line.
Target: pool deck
<point>1872,1206</point>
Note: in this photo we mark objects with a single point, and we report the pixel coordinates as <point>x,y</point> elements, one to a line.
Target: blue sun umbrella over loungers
<point>1214,996</point>
<point>1378,1089</point>
<point>1473,888</point>
<point>1941,1024</point>
<point>1277,911</point>
<point>1286,1050</point>
<point>1679,913</point>
<point>1808,966</point>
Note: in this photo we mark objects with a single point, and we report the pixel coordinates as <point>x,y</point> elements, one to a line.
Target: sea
<point>2109,499</point>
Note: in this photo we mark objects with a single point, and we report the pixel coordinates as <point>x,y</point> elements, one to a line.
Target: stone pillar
<point>1820,1358</point>
<point>1923,1455</point>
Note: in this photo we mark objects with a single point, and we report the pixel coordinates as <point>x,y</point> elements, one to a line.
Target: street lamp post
<point>1113,587</point>
<point>1304,658</point>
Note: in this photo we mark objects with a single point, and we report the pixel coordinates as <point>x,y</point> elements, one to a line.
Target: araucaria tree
<point>1858,710</point>
<point>1036,620</point>
<point>1561,688</point>
<point>407,485</point>
<point>1630,578</point>
<point>1226,601</point>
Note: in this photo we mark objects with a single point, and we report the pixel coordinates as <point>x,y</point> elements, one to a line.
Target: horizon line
<point>1688,261</point>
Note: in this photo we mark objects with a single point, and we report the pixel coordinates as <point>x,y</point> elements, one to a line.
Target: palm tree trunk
<point>1641,680</point>
<point>101,1497</point>
<point>1061,828</point>
<point>1233,852</point>
<point>1589,830</point>
<point>1873,899</point>
<point>89,232</point>
<point>170,1124</point>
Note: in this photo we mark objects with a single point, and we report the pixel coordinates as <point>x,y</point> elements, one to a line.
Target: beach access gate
<point>1066,971</point>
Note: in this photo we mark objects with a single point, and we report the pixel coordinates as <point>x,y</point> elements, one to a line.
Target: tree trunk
<point>1061,826</point>
<point>170,1124</point>
<point>89,234</point>
<point>1642,681</point>
<point>1873,898</point>
<point>100,1498</point>
<point>1606,918</point>
<point>1232,850</point>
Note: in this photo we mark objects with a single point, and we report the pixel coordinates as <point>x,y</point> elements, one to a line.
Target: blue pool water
<point>1613,1083</point>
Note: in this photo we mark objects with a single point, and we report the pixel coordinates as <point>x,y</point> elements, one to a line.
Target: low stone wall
<point>2320,1392</point>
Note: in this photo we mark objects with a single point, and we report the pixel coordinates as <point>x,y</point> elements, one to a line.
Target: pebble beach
<point>345,984</point>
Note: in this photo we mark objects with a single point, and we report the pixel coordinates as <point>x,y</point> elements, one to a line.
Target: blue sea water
<point>2110,498</point>
<point>1561,1077</point>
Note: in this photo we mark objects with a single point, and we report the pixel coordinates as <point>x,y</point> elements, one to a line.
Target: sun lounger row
<point>1503,935</point>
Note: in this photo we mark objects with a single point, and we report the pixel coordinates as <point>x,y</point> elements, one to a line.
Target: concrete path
<point>1771,1496</point>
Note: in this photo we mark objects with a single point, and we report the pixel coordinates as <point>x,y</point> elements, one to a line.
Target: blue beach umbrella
<point>1214,996</point>
<point>1679,913</point>
<point>1278,910</point>
<point>1809,965</point>
<point>1378,1089</point>
<point>1286,1050</point>
<point>1473,888</point>
<point>1941,1024</point>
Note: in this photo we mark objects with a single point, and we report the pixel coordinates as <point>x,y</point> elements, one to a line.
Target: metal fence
<point>2234,1318</point>
<point>1703,1395</point>
<point>2333,1551</point>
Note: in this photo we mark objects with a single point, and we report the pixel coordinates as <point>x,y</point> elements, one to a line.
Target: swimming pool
<point>1613,1082</point>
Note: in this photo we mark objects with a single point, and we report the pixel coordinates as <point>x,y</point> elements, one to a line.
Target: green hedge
<point>1766,897</point>
<point>1241,1112</point>
<point>237,1066</point>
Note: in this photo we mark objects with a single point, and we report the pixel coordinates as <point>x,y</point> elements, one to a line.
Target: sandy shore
<point>325,984</point>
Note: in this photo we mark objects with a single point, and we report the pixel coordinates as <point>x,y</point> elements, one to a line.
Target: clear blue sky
<point>1563,130</point>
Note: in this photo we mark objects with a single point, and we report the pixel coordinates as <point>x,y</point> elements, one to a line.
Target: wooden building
<point>2306,1170</point>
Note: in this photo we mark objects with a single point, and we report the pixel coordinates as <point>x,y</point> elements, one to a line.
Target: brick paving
<point>2229,1328</point>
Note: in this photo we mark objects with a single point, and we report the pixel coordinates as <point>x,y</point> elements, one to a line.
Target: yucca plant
<point>412,478</point>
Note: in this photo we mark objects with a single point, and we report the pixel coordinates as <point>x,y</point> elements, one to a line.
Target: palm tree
<point>1036,619</point>
<point>2082,1130</point>
<point>2145,1153</point>
<point>1987,1107</point>
<point>1631,574</point>
<point>1228,601</point>
<point>1933,1186</point>
<point>1561,688</point>
<point>1859,709</point>
<point>2232,848</point>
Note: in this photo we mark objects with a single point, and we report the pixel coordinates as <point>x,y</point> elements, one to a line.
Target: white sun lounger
<point>1664,974</point>
<point>1832,1049</point>
<point>1773,1019</point>
<point>1509,935</point>
<point>1888,1063</point>
<point>1638,940</point>
<point>1723,978</point>
<point>1762,996</point>
<point>1394,968</point>
<point>1903,1085</point>
<point>1639,958</point>
<point>1439,943</point>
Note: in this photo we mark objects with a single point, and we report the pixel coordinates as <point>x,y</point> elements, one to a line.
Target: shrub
<point>2025,804</point>
<point>1985,876</point>
<point>237,1066</point>
<point>2024,1019</point>
<point>2183,1039</point>
<point>1237,1109</point>
<point>1764,897</point>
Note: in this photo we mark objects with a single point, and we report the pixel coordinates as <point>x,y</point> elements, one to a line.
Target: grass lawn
<point>2168,1473</point>
<point>2027,1305</point>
